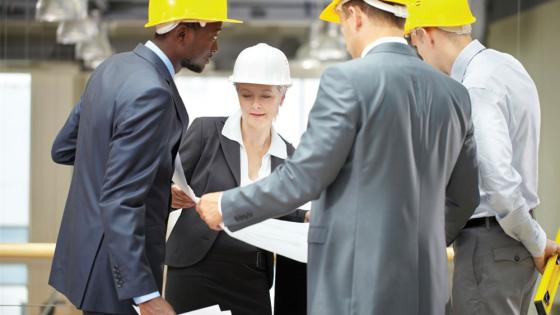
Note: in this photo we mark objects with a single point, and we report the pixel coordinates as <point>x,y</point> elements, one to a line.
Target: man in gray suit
<point>122,138</point>
<point>389,152</point>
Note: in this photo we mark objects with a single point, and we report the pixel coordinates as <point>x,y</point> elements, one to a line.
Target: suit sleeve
<point>64,147</point>
<point>140,133</point>
<point>462,194</point>
<point>323,150</point>
<point>297,215</point>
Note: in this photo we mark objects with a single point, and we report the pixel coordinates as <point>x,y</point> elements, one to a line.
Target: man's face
<point>200,46</point>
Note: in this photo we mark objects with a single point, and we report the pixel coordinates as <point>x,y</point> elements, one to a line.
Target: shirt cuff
<point>220,205</point>
<point>522,227</point>
<point>145,298</point>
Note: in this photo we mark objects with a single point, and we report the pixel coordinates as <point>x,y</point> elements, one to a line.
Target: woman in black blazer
<point>207,267</point>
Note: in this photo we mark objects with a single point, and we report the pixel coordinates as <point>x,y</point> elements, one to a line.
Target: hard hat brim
<point>147,25</point>
<point>329,14</point>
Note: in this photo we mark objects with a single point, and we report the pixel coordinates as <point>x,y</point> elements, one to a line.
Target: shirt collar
<point>232,131</point>
<point>153,47</point>
<point>460,65</point>
<point>383,40</point>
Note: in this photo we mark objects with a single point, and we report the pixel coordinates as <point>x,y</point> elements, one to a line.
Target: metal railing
<point>46,250</point>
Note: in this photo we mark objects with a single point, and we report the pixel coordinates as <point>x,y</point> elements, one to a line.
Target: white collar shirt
<point>232,131</point>
<point>506,118</point>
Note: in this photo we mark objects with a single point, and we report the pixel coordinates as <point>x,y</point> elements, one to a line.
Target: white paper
<point>212,310</point>
<point>285,238</point>
<point>180,180</point>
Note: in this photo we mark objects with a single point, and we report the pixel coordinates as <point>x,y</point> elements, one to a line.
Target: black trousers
<point>234,280</point>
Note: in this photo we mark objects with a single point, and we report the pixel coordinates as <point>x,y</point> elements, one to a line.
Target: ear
<point>429,34</point>
<point>355,17</point>
<point>182,32</point>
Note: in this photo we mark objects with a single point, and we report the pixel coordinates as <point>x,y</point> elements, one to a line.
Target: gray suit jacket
<point>388,150</point>
<point>122,138</point>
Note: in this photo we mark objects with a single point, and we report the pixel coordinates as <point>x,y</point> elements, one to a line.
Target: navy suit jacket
<point>122,138</point>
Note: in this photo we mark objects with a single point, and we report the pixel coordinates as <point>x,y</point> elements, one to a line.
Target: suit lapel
<point>274,162</point>
<point>181,109</point>
<point>231,153</point>
<point>152,58</point>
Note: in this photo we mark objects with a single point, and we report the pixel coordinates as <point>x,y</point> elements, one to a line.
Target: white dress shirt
<point>153,47</point>
<point>232,131</point>
<point>383,40</point>
<point>506,118</point>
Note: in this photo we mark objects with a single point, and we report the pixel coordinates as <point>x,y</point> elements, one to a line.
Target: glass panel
<point>15,119</point>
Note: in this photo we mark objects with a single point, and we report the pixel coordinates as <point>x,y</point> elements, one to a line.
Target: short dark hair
<point>374,13</point>
<point>192,25</point>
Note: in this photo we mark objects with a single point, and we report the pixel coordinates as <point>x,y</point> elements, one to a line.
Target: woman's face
<point>259,103</point>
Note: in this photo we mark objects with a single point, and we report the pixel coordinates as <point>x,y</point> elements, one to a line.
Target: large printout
<point>284,238</point>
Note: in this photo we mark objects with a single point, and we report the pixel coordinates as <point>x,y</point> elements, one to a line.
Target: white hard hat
<point>262,64</point>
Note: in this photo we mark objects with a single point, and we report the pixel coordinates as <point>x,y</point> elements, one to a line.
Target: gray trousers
<point>493,273</point>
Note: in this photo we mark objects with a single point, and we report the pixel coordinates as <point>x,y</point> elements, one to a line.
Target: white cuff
<point>220,205</point>
<point>145,298</point>
<point>522,227</point>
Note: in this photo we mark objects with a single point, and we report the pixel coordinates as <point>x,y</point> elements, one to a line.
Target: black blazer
<point>211,163</point>
<point>122,138</point>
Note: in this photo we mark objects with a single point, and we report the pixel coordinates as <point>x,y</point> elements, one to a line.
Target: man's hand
<point>179,198</point>
<point>550,250</point>
<point>157,306</point>
<point>207,209</point>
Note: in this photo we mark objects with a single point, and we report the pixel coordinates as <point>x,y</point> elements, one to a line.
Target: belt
<point>486,221</point>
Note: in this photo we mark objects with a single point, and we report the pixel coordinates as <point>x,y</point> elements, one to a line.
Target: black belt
<point>486,221</point>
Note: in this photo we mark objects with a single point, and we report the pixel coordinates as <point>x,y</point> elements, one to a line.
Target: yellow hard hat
<point>329,14</point>
<point>165,11</point>
<point>438,13</point>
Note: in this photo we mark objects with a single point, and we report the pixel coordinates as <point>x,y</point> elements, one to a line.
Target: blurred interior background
<point>48,49</point>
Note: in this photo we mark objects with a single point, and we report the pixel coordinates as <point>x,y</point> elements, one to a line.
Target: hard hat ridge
<point>262,64</point>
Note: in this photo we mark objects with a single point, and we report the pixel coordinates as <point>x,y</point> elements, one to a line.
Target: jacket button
<point>516,258</point>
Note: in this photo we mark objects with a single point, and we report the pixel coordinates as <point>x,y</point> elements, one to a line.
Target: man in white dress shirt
<point>494,272</point>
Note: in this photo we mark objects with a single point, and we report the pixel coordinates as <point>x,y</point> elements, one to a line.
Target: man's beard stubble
<point>186,63</point>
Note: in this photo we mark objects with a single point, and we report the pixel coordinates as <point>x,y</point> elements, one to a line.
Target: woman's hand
<point>179,199</point>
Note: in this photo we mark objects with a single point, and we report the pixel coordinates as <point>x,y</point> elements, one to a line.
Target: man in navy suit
<point>122,138</point>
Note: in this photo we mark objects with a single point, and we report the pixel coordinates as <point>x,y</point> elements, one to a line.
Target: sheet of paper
<point>180,180</point>
<point>212,310</point>
<point>285,238</point>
